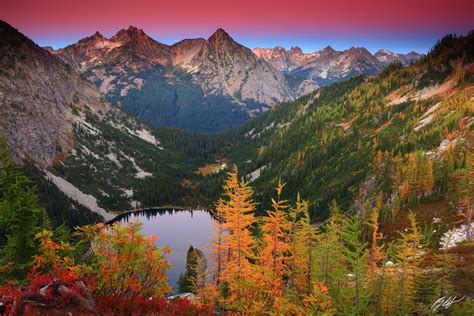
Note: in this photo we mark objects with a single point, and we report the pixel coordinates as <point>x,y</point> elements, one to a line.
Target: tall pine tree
<point>19,215</point>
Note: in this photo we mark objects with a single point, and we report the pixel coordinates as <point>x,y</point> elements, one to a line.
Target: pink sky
<point>310,24</point>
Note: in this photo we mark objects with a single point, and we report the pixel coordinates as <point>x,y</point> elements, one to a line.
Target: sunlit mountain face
<point>209,85</point>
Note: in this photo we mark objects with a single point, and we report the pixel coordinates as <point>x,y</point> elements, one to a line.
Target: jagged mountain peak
<point>218,70</point>
<point>328,50</point>
<point>220,36</point>
<point>361,52</point>
<point>133,30</point>
<point>94,38</point>
<point>129,34</point>
<point>296,50</point>
<point>384,51</point>
<point>97,34</point>
<point>358,49</point>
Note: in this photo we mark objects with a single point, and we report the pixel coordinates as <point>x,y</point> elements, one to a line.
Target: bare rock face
<point>184,51</point>
<point>38,95</point>
<point>280,58</point>
<point>227,67</point>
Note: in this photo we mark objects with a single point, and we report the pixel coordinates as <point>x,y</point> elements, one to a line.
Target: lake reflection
<point>178,229</point>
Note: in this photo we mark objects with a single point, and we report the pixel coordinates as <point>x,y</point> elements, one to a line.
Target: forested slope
<point>406,129</point>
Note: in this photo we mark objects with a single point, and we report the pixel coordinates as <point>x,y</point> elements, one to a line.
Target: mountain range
<point>89,158</point>
<point>209,84</point>
<point>328,65</point>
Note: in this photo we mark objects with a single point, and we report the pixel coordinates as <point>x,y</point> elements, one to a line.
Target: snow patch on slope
<point>77,195</point>
<point>86,126</point>
<point>89,152</point>
<point>427,117</point>
<point>454,236</point>
<point>141,174</point>
<point>143,134</point>
<point>112,157</point>
<point>256,174</point>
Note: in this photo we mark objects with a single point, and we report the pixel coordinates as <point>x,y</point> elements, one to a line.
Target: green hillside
<point>325,145</point>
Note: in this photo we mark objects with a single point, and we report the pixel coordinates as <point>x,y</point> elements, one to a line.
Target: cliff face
<point>39,94</point>
<point>226,67</point>
<point>78,144</point>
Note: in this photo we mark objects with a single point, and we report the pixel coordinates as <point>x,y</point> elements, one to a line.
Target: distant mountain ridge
<point>328,65</point>
<point>207,84</point>
<point>388,57</point>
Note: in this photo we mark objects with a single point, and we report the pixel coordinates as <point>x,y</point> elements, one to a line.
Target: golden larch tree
<point>276,243</point>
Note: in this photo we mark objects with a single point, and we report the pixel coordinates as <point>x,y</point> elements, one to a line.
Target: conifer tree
<point>378,160</point>
<point>19,215</point>
<point>219,249</point>
<point>356,293</point>
<point>395,207</point>
<point>444,265</point>
<point>330,260</point>
<point>305,242</point>
<point>397,175</point>
<point>193,279</point>
<point>405,191</point>
<point>376,254</point>
<point>319,302</point>
<point>237,209</point>
<point>428,181</point>
<point>408,256</point>
<point>238,214</point>
<point>466,200</point>
<point>383,284</point>
<point>276,244</point>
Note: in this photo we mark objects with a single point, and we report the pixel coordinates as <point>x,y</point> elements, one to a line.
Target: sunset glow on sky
<point>401,25</point>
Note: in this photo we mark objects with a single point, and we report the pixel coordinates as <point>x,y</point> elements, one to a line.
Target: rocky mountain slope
<point>197,84</point>
<point>328,65</point>
<point>208,85</point>
<point>86,155</point>
<point>226,66</point>
<point>39,96</point>
<point>387,57</point>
